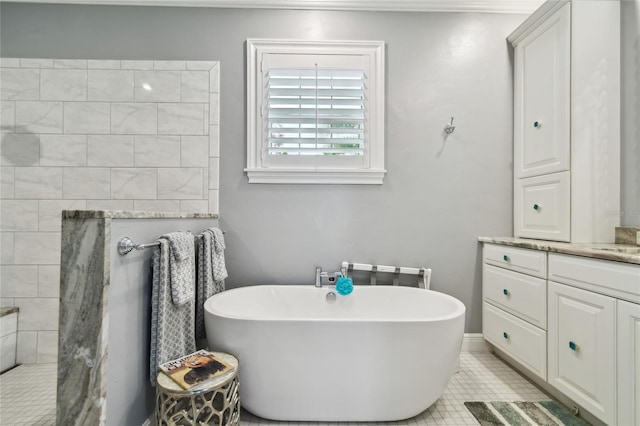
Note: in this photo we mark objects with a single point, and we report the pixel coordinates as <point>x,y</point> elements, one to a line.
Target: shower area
<point>87,134</point>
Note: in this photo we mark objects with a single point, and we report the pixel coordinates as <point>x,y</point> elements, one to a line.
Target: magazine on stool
<point>194,369</point>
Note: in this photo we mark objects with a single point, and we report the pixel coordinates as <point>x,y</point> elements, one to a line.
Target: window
<point>315,112</point>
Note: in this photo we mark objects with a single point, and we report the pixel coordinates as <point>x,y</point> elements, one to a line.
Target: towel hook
<point>449,128</point>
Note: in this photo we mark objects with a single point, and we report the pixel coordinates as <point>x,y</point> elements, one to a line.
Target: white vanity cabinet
<point>594,335</point>
<point>571,320</point>
<point>566,122</point>
<point>628,363</point>
<point>514,304</point>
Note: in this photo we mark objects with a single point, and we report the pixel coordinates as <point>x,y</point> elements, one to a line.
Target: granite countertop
<point>126,214</point>
<point>594,250</point>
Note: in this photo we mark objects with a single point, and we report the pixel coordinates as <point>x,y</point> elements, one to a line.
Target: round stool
<point>214,402</point>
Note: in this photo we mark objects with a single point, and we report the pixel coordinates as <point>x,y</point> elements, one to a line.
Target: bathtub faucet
<point>332,277</point>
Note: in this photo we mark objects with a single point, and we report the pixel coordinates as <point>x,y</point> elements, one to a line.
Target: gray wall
<point>439,194</point>
<point>130,397</point>
<point>630,119</point>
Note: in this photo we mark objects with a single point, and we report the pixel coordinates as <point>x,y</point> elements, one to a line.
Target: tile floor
<point>19,405</point>
<point>482,377</point>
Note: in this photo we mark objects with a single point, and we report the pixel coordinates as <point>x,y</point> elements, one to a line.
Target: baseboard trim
<point>474,342</point>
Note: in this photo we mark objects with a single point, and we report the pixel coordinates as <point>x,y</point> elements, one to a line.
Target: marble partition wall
<point>83,321</point>
<point>103,357</point>
<point>94,134</point>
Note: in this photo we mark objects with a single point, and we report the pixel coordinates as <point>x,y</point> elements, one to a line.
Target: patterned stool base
<point>219,406</point>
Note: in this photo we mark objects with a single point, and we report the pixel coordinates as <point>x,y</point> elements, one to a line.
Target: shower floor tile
<point>28,395</point>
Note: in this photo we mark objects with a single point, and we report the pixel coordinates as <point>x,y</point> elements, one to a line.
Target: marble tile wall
<point>8,338</point>
<point>94,134</point>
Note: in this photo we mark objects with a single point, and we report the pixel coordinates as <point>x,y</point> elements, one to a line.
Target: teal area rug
<point>521,413</point>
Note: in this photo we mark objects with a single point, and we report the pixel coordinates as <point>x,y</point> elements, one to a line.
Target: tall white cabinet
<point>571,321</point>
<point>566,122</point>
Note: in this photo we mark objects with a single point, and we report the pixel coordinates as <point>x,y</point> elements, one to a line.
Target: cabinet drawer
<point>616,279</point>
<point>521,295</point>
<point>542,207</point>
<point>522,341</point>
<point>531,262</point>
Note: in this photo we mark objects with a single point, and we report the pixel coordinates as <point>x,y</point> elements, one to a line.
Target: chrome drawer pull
<point>505,335</point>
<point>573,346</point>
<point>505,292</point>
<point>505,258</point>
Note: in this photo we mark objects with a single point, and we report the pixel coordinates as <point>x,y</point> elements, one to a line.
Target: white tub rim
<point>460,308</point>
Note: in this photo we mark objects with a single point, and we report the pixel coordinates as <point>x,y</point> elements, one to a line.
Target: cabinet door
<point>582,338</point>
<point>628,363</point>
<point>541,98</point>
<point>542,207</point>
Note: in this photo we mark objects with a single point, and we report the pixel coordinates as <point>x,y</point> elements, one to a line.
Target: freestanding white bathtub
<point>379,354</point>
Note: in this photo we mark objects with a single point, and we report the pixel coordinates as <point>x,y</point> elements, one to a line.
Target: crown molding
<point>478,6</point>
<point>540,15</point>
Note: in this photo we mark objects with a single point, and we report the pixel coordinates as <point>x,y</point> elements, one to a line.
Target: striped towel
<point>499,413</point>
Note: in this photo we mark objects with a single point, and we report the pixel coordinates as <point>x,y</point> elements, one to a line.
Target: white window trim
<point>257,173</point>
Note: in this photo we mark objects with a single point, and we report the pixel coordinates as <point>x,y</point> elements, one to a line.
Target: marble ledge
<point>126,214</point>
<point>8,311</point>
<point>593,250</point>
<point>626,234</point>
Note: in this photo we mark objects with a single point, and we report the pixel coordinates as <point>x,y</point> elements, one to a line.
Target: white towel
<point>182,266</point>
<point>211,272</point>
<point>172,326</point>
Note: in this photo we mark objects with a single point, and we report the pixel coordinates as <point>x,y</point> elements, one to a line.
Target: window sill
<point>328,177</point>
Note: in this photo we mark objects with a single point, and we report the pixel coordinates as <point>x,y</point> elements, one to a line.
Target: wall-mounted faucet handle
<point>332,277</point>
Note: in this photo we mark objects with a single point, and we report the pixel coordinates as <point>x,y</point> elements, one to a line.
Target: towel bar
<point>126,245</point>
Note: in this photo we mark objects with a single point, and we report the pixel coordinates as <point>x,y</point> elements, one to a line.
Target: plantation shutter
<point>315,112</point>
